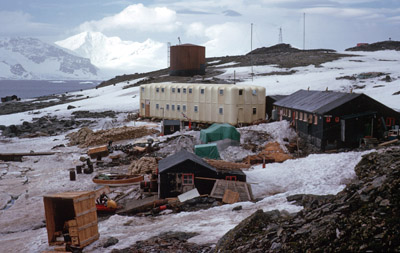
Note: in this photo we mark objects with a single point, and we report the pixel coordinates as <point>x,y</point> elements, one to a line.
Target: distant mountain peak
<point>114,53</point>
<point>31,58</point>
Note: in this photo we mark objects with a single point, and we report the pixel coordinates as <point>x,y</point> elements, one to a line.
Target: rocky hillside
<point>365,216</point>
<point>382,45</point>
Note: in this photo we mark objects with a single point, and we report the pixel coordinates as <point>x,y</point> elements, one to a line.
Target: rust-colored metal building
<point>187,60</point>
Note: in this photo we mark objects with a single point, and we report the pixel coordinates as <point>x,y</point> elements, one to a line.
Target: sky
<point>223,27</point>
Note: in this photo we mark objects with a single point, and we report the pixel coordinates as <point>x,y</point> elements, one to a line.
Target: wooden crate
<point>97,152</point>
<point>73,213</point>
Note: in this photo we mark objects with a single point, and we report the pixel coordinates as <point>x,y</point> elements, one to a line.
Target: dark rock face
<point>44,126</point>
<point>365,216</point>
<point>166,242</point>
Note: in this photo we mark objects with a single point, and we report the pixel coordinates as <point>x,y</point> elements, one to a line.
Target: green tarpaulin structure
<point>218,132</point>
<point>209,151</point>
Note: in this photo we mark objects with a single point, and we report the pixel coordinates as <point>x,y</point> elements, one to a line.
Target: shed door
<point>147,108</point>
<point>343,130</point>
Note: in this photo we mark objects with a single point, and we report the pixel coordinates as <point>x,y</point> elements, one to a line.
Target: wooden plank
<point>230,197</point>
<point>71,223</point>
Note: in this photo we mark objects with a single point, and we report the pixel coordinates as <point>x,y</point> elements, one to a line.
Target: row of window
<point>188,179</point>
<point>202,91</point>
<point>303,116</point>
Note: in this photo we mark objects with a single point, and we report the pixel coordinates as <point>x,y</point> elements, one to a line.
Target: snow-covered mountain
<point>115,54</point>
<point>30,58</point>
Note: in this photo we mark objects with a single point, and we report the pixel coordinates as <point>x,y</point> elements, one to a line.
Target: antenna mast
<point>304,31</point>
<point>251,49</point>
<point>179,39</point>
<point>280,35</point>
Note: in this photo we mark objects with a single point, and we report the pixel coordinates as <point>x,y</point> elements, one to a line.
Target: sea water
<point>36,88</point>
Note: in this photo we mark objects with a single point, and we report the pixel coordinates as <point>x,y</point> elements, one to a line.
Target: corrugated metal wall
<point>187,60</point>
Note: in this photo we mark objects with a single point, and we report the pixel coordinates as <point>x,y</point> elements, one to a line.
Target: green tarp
<point>218,132</point>
<point>207,151</point>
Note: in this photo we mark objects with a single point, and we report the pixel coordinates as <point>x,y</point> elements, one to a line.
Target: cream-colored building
<point>206,103</point>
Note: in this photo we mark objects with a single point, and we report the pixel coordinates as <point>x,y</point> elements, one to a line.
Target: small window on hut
<point>254,92</point>
<point>190,90</point>
<point>184,108</point>
<point>157,89</point>
<point>240,92</point>
<point>254,111</point>
<point>143,105</point>
<point>173,90</point>
<point>187,179</point>
<point>231,178</point>
<point>221,92</point>
<point>142,89</point>
<point>167,106</point>
<point>196,109</point>
<point>221,110</point>
<point>162,90</point>
<point>301,115</point>
<point>297,115</point>
<point>179,90</point>
<point>184,90</point>
<point>157,106</point>
<point>202,91</point>
<point>178,107</point>
<point>173,107</point>
<point>315,119</point>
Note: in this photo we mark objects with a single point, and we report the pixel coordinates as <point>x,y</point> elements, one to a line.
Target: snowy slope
<point>29,58</point>
<point>115,54</point>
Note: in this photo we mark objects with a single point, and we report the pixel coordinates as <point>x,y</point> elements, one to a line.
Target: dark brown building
<point>187,60</point>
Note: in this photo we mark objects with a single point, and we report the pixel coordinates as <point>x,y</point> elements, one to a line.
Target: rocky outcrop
<point>365,216</point>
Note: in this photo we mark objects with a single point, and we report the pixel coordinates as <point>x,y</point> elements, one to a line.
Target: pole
<point>304,31</point>
<point>251,50</point>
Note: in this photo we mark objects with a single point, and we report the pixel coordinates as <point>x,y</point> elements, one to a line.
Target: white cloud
<point>136,17</point>
<point>196,29</point>
<point>227,39</point>
<point>338,12</point>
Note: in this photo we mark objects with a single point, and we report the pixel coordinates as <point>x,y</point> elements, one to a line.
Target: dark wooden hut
<point>184,171</point>
<point>332,120</point>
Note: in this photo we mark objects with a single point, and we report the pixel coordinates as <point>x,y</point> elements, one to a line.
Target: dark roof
<point>181,157</point>
<point>316,101</point>
<point>170,122</point>
<point>277,97</point>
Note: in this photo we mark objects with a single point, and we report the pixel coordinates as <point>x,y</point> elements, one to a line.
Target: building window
<point>157,89</point>
<point>301,116</point>
<point>167,106</point>
<point>305,117</point>
<point>297,115</point>
<point>254,111</point>
<point>173,90</point>
<point>202,91</point>
<point>254,92</point>
<point>173,107</point>
<point>162,90</point>
<point>221,92</point>
<point>157,106</point>
<point>179,90</point>
<point>315,119</point>
<point>188,179</point>
<point>178,107</point>
<point>184,108</point>
<point>190,90</point>
<point>143,105</point>
<point>142,89</point>
<point>231,178</point>
<point>221,110</point>
<point>240,92</point>
<point>390,121</point>
<point>196,109</point>
<point>184,90</point>
<point>289,113</point>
